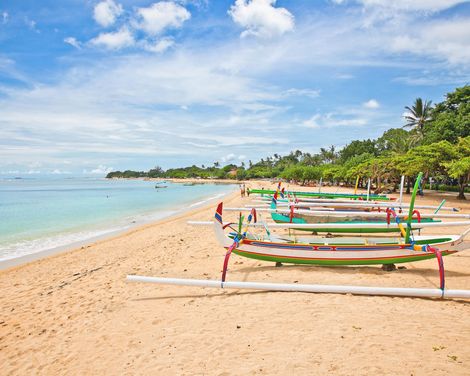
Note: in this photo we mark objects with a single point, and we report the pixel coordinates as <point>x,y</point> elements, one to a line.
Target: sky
<point>89,86</point>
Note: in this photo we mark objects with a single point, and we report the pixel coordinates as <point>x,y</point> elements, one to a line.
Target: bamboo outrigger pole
<point>357,183</point>
<point>412,203</point>
<point>294,287</point>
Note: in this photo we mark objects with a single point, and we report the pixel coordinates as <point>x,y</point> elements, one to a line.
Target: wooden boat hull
<point>332,254</point>
<point>310,259</point>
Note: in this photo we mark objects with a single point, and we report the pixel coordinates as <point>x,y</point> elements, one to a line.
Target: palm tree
<point>418,115</point>
<point>328,155</point>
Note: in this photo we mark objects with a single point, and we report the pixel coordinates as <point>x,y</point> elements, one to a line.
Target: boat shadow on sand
<point>339,269</point>
<point>203,295</point>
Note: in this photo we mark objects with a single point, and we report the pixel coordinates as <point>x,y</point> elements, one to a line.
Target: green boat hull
<point>322,194</point>
<point>289,260</point>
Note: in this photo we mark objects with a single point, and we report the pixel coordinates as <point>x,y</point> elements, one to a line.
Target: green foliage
<point>450,118</point>
<point>126,174</point>
<point>155,172</point>
<point>241,174</point>
<point>356,148</point>
<point>429,159</point>
<point>395,140</point>
<point>418,114</point>
<point>312,173</point>
<point>458,168</point>
<point>295,172</point>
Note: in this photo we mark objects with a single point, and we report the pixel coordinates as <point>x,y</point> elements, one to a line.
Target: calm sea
<point>41,214</point>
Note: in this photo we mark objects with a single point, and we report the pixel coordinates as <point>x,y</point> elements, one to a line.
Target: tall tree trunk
<point>462,184</point>
<point>408,185</point>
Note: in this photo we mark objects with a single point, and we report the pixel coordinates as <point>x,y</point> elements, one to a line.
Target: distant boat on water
<point>158,184</point>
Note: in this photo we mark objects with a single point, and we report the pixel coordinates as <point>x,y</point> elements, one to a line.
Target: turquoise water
<point>41,214</point>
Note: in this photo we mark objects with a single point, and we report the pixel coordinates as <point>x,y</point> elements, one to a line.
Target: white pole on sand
<point>330,289</point>
<point>402,183</point>
<point>368,189</point>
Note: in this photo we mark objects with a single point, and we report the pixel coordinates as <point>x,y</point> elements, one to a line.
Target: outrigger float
<point>329,251</point>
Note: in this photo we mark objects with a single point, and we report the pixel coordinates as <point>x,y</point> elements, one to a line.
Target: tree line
<point>435,140</point>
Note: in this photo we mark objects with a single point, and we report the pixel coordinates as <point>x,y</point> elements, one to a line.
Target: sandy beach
<point>74,313</point>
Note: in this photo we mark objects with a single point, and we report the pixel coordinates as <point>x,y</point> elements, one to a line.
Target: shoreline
<point>110,234</point>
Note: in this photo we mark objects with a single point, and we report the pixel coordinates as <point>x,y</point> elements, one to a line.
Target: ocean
<point>37,215</point>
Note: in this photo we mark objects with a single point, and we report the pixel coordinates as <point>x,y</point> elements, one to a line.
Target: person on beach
<point>242,190</point>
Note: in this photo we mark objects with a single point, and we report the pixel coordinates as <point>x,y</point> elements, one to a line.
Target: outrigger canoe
<point>337,251</point>
<point>352,196</point>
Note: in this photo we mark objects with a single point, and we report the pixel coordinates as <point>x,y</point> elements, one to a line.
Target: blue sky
<point>87,86</point>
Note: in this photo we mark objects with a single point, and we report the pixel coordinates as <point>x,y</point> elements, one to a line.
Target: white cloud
<point>133,104</point>
<point>114,41</point>
<point>344,76</point>
<point>160,16</point>
<point>261,18</point>
<point>330,120</point>
<point>106,12</point>
<point>442,39</point>
<point>312,122</point>
<point>57,171</point>
<point>31,24</point>
<point>73,42</point>
<point>231,157</point>
<point>412,5</point>
<point>100,170</point>
<point>371,103</point>
<point>8,172</point>
<point>401,12</point>
<point>159,46</point>
<point>228,158</point>
<point>302,93</point>
<point>5,17</point>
